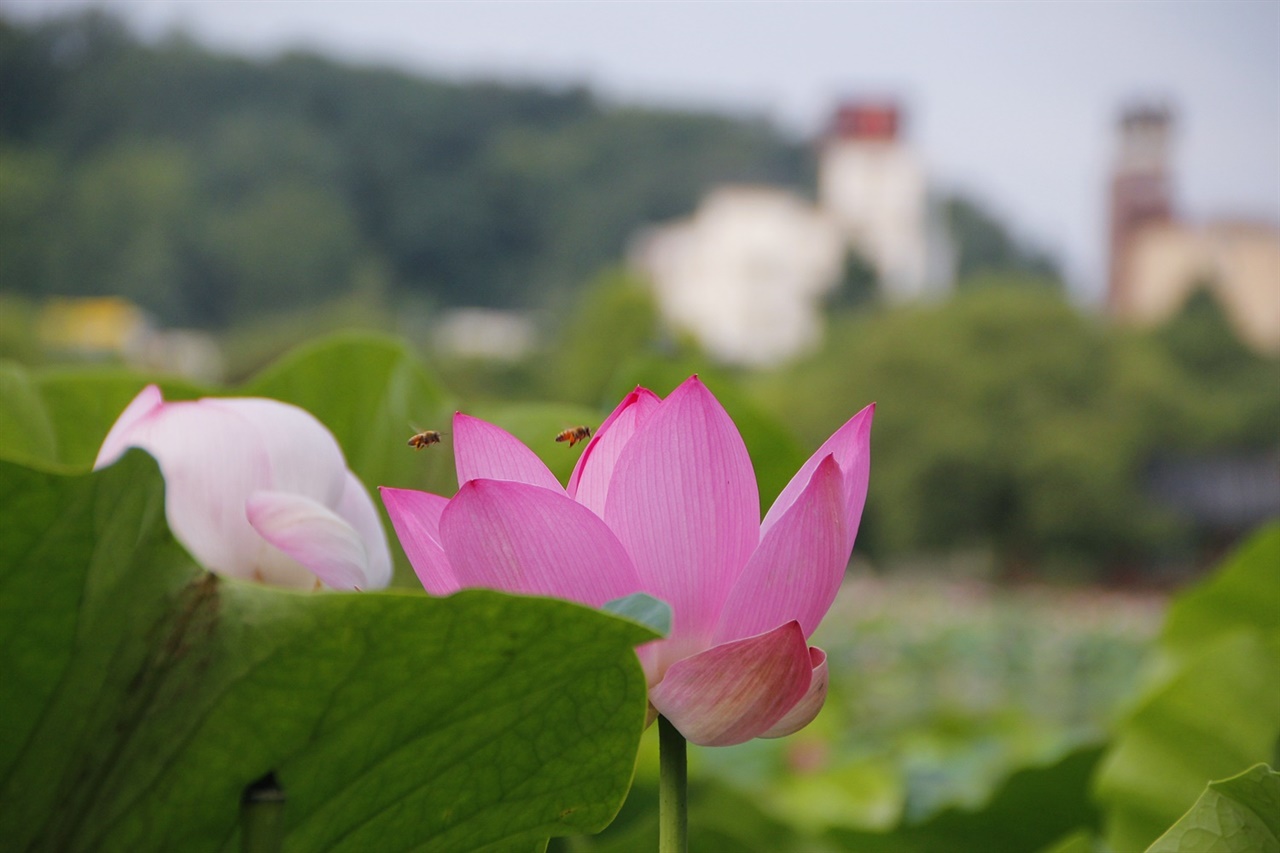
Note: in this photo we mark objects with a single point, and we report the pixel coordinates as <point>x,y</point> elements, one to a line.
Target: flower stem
<point>673,790</point>
<point>262,816</point>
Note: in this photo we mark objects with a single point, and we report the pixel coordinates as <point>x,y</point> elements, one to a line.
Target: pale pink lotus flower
<point>257,489</point>
<point>663,501</point>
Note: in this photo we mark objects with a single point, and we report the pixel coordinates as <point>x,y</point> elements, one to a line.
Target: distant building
<point>484,333</point>
<point>875,188</point>
<point>1226,493</point>
<point>1141,191</point>
<point>745,274</point>
<point>111,328</point>
<point>1158,261</point>
<point>1239,263</point>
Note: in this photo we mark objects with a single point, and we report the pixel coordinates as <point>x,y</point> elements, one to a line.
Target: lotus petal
<point>303,456</point>
<point>589,483</point>
<point>851,447</point>
<point>736,691</point>
<point>312,535</point>
<point>148,402</point>
<point>520,538</point>
<point>807,708</point>
<point>797,570</point>
<point>684,504</point>
<point>211,460</point>
<point>484,451</point>
<point>416,518</point>
<point>229,460</point>
<point>357,509</point>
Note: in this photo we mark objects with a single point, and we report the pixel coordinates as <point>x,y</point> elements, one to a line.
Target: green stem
<point>262,816</point>
<point>673,790</point>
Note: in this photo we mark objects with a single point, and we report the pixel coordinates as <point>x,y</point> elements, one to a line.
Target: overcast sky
<point>1014,102</point>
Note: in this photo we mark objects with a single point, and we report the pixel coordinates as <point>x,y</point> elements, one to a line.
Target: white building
<point>745,274</point>
<point>875,188</point>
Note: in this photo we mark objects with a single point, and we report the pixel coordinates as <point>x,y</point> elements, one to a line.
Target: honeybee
<point>426,438</point>
<point>574,435</point>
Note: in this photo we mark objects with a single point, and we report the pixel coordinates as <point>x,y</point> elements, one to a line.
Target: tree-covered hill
<point>210,188</point>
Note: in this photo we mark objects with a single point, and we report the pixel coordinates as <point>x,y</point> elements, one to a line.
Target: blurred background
<point>1043,237</point>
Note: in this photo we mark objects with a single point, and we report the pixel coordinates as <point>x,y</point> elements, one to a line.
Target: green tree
<point>985,246</point>
<point>122,216</point>
<point>1004,417</point>
<point>286,245</point>
<point>473,193</point>
<point>613,321</point>
<point>1236,390</point>
<point>28,179</point>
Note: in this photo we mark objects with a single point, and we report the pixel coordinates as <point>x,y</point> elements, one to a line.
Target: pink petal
<point>212,460</point>
<point>148,402</point>
<point>484,451</point>
<point>416,519</point>
<point>357,509</point>
<point>736,691</point>
<point>683,501</point>
<point>797,570</point>
<point>305,458</point>
<point>851,446</point>
<point>521,538</point>
<point>310,533</point>
<point>589,483</point>
<point>803,712</point>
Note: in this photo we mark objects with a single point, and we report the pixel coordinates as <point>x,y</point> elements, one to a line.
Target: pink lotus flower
<point>663,501</point>
<point>257,489</point>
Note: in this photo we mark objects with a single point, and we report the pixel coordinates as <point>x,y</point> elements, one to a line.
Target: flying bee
<point>426,438</point>
<point>574,435</point>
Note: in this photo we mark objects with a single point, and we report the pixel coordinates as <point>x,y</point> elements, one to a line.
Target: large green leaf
<point>142,695</point>
<point>721,820</point>
<point>1214,708</point>
<point>60,416</point>
<point>1236,815</point>
<point>1033,808</point>
<point>1245,592</point>
<point>26,435</point>
<point>373,392</point>
<point>1218,713</point>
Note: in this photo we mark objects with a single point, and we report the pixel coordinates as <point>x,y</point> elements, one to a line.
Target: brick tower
<point>1141,192</point>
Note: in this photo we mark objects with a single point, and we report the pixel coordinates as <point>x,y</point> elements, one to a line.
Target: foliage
<point>1236,815</point>
<point>953,711</point>
<point>1004,417</point>
<point>984,247</point>
<point>929,738</point>
<point>143,695</point>
<point>1238,404</point>
<point>614,319</point>
<point>858,283</point>
<point>1211,709</point>
<point>212,189</point>
<point>1059,804</point>
<point>1032,809</point>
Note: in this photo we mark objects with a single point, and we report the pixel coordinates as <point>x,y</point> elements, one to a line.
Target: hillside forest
<point>266,202</point>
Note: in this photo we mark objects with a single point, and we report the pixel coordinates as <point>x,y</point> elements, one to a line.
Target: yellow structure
<point>1238,262</point>
<point>106,325</point>
<point>1157,260</point>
